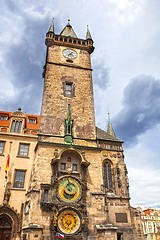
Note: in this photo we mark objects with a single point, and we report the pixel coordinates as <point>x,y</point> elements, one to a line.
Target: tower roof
<point>110,128</point>
<point>68,31</point>
<point>88,35</point>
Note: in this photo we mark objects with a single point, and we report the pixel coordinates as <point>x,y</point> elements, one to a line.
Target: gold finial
<point>68,20</point>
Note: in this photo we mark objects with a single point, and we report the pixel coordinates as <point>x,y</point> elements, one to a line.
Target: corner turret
<point>51,29</point>
<point>88,35</point>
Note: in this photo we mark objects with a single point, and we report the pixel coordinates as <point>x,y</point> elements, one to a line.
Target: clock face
<point>69,53</point>
<point>68,222</point>
<point>69,189</point>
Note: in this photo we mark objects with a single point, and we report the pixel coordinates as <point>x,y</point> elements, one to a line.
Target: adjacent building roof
<point>102,135</point>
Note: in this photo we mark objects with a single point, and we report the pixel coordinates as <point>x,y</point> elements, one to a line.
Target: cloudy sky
<point>126,72</point>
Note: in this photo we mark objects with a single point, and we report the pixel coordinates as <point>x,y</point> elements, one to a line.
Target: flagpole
<point>7,192</point>
<point>8,160</point>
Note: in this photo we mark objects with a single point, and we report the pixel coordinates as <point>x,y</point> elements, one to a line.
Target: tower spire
<point>88,35</point>
<point>51,29</point>
<point>68,31</point>
<point>110,128</point>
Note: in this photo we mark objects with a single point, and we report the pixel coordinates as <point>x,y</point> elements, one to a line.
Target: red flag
<point>8,159</point>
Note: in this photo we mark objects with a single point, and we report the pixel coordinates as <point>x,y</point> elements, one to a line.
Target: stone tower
<point>79,184</point>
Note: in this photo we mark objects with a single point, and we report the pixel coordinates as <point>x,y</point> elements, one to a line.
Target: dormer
<point>3,117</point>
<point>17,121</point>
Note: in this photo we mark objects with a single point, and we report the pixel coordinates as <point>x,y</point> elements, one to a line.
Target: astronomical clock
<point>65,197</point>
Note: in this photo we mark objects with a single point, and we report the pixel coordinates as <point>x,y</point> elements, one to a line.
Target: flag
<point>60,235</point>
<point>8,159</point>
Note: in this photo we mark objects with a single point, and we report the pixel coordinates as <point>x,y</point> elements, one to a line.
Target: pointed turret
<point>88,35</point>
<point>110,128</point>
<point>68,31</point>
<point>51,29</point>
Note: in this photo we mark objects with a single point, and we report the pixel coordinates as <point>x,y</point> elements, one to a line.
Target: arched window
<point>107,176</point>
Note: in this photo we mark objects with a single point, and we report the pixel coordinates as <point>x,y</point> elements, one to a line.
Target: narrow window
<point>24,236</point>
<point>23,150</point>
<point>68,90</point>
<point>107,176</point>
<point>45,195</point>
<point>74,167</point>
<point>19,127</point>
<point>16,126</point>
<point>119,236</point>
<point>63,166</point>
<point>13,126</point>
<point>1,147</point>
<point>19,179</point>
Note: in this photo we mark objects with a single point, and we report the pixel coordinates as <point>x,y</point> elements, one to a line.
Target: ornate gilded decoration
<point>69,222</point>
<point>69,189</point>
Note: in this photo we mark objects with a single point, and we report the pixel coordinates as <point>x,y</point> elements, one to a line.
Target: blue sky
<point>126,72</point>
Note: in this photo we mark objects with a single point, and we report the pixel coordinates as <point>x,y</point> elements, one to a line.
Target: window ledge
<point>19,156</point>
<point>1,154</point>
<point>19,189</point>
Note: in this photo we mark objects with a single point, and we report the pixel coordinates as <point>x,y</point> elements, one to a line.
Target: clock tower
<point>68,80</point>
<point>79,186</point>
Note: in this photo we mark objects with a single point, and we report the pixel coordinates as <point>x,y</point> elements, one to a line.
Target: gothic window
<point>1,147</point>
<point>107,176</point>
<point>23,150</point>
<point>19,179</point>
<point>16,126</point>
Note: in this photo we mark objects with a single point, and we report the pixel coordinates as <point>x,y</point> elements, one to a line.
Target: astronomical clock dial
<point>69,189</point>
<point>69,53</point>
<point>68,222</point>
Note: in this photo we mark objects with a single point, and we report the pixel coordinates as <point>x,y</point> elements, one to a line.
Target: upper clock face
<point>69,189</point>
<point>69,53</point>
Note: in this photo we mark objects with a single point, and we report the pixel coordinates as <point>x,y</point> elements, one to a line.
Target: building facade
<point>18,133</point>
<point>151,224</point>
<point>78,186</point>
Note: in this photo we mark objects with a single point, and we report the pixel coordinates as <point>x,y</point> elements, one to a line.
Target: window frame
<point>108,183</point>
<point>32,119</point>
<point>63,164</point>
<point>1,153</point>
<point>65,90</point>
<point>3,116</point>
<point>14,182</point>
<point>19,150</point>
<point>16,126</point>
<point>75,165</point>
